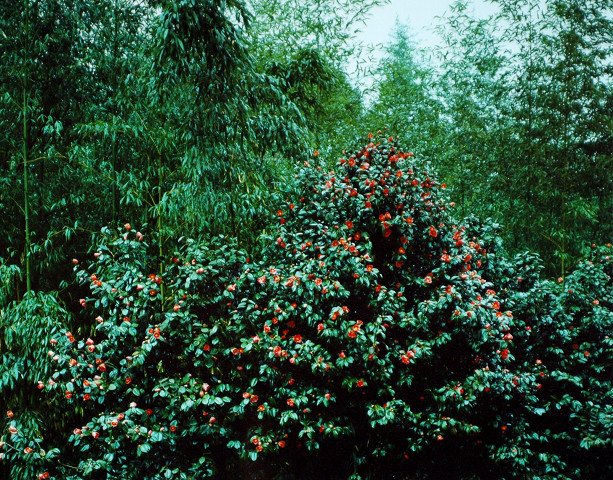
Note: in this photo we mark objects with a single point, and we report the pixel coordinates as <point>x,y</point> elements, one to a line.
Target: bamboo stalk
<point>26,200</point>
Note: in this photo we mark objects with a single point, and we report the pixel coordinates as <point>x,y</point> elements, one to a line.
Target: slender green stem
<point>160,224</point>
<point>26,200</point>
<point>114,107</point>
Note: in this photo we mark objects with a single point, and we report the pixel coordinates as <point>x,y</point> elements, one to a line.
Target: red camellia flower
<point>349,224</point>
<point>281,444</point>
<point>87,397</point>
<point>298,338</point>
<point>360,383</point>
<point>433,232</point>
<point>149,411</point>
<point>290,402</point>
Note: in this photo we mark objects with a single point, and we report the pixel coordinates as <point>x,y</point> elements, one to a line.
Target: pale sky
<point>419,15</point>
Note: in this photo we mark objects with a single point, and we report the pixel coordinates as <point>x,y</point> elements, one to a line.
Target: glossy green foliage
<point>374,335</point>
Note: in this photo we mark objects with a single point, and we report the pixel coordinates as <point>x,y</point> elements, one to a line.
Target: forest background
<point>187,118</point>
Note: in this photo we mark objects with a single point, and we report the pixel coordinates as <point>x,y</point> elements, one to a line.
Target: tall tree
<point>405,100</point>
<point>308,48</point>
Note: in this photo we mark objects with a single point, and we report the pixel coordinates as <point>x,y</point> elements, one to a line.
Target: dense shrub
<point>375,336</point>
<point>565,329</point>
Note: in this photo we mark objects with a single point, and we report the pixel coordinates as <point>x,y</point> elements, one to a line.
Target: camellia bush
<point>565,329</point>
<point>372,336</point>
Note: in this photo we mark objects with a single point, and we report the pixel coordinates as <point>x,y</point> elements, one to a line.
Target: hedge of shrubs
<point>373,335</point>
